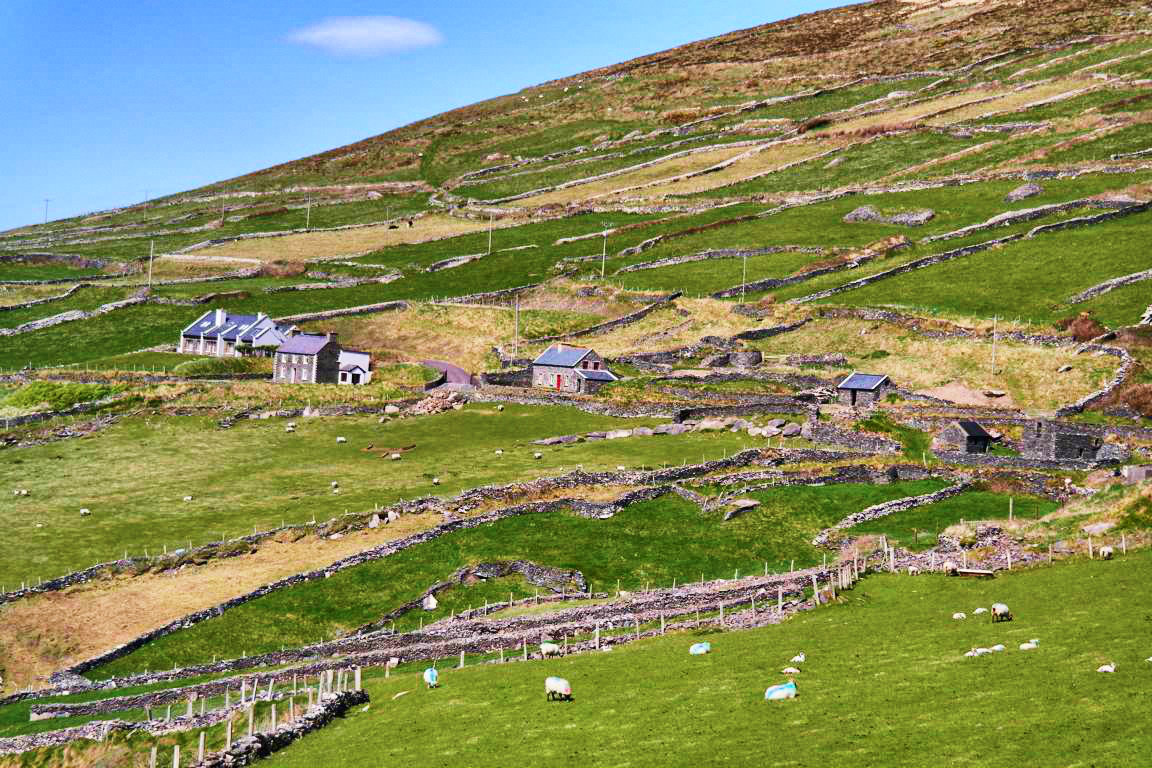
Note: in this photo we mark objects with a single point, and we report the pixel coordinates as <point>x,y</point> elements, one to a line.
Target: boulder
<point>716,361</point>
<point>738,506</point>
<point>391,410</point>
<point>642,432</point>
<point>913,218</point>
<point>616,434</point>
<point>863,213</point>
<point>777,423</point>
<point>791,429</point>
<point>671,429</point>
<point>709,425</point>
<point>1023,192</point>
<point>746,358</point>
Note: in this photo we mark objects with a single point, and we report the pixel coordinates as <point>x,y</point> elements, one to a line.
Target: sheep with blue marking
<point>557,689</point>
<point>431,678</point>
<point>781,692</point>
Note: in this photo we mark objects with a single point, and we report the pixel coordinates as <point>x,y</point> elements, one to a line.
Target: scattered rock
<point>1064,369</point>
<point>391,410</point>
<point>863,213</point>
<point>994,393</point>
<point>716,361</point>
<point>906,219</point>
<point>791,430</point>
<point>1023,192</point>
<point>737,506</point>
<point>746,358</point>
<point>642,432</point>
<point>710,425</point>
<point>616,434</point>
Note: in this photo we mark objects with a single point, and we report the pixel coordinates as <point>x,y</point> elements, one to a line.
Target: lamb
<point>1030,645</point>
<point>431,678</point>
<point>549,649</point>
<point>435,481</point>
<point>781,692</point>
<point>394,456</point>
<point>557,689</point>
<point>1106,553</point>
<point>187,498</point>
<point>84,512</point>
<point>537,455</point>
<point>799,658</point>
<point>499,452</point>
<point>913,570</point>
<point>959,616</point>
<point>1000,612</point>
<point>998,648</point>
<point>341,439</point>
<point>979,610</point>
<point>790,671</point>
<point>1109,667</point>
<point>699,649</point>
<point>979,652</point>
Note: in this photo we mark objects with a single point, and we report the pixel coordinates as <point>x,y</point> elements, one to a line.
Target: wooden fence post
<point>200,749</point>
<point>461,660</point>
<point>1091,553</point>
<point>780,598</point>
<point>176,756</point>
<point>228,734</point>
<point>152,757</point>
<point>251,717</point>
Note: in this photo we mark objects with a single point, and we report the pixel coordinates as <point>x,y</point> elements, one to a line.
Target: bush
<point>58,395</point>
<point>219,366</point>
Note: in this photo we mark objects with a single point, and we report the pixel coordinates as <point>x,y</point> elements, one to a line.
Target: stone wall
<point>821,432</point>
<point>69,316</point>
<point>46,300</point>
<point>890,507</point>
<point>365,309</point>
<point>1108,285</point>
<point>618,322</point>
<point>717,253</point>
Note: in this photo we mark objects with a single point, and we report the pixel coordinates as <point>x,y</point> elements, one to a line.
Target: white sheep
<point>998,648</point>
<point>537,455</point>
<point>1031,645</point>
<point>335,484</point>
<point>341,439</point>
<point>84,512</point>
<point>977,611</point>
<point>187,498</point>
<point>621,468</point>
<point>1106,553</point>
<point>431,678</point>
<point>557,689</point>
<point>289,428</point>
<point>394,456</point>
<point>549,649</point>
<point>799,658</point>
<point>499,407</point>
<point>1000,612</point>
<point>435,481</point>
<point>959,616</point>
<point>499,452</point>
<point>1109,667</point>
<point>979,652</point>
<point>790,671</point>
<point>913,570</point>
<point>780,692</point>
<point>950,568</point>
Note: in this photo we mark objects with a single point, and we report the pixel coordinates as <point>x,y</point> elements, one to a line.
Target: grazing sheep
<point>187,498</point>
<point>780,692</point>
<point>1000,612</point>
<point>499,407</point>
<point>998,648</point>
<point>499,452</point>
<point>790,671</point>
<point>435,481</point>
<point>979,652</point>
<point>1109,667</point>
<point>621,468</point>
<point>392,662</point>
<point>699,649</point>
<point>1106,553</point>
<point>289,428</point>
<point>913,570</point>
<point>341,440</point>
<point>335,484</point>
<point>537,455</point>
<point>557,689</point>
<point>979,610</point>
<point>959,616</point>
<point>84,512</point>
<point>1030,645</point>
<point>799,658</point>
<point>549,649</point>
<point>431,678</point>
<point>394,456</point>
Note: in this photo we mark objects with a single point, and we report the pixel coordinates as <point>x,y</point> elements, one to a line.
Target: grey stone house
<point>1061,442</point>
<point>962,437</point>
<point>862,389</point>
<point>216,332</point>
<point>566,368</point>
<point>308,358</point>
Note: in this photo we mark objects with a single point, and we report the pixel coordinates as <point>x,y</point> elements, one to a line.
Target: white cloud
<point>367,35</point>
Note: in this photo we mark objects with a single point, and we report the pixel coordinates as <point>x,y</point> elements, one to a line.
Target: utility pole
<point>491,219</point>
<point>308,213</point>
<point>151,255</point>
<point>604,249</point>
<point>994,319</point>
<point>46,201</point>
<point>221,212</point>
<point>516,338</point>
<point>744,278</point>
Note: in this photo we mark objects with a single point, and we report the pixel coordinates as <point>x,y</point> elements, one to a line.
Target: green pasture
<point>885,684</point>
<point>653,542</point>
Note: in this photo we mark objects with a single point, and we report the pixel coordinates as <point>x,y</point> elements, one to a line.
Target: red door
<point>559,381</point>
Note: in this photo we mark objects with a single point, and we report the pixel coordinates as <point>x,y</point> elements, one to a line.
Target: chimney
<point>221,315</point>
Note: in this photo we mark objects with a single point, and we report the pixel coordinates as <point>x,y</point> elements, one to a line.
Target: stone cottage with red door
<point>565,368</point>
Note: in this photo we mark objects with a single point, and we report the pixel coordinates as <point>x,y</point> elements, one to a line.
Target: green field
<point>885,684</point>
<point>134,475</point>
<point>652,542</point>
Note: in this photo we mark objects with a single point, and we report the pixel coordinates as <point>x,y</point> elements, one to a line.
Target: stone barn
<point>863,389</point>
<point>355,367</point>
<point>308,358</point>
<point>962,437</point>
<point>565,368</point>
<point>1060,442</point>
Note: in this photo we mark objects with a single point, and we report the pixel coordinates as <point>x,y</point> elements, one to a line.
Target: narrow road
<point>455,374</point>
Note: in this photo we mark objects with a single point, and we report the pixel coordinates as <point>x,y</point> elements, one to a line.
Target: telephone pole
<point>604,249</point>
<point>151,255</point>
<point>308,213</point>
<point>46,201</point>
<point>491,219</point>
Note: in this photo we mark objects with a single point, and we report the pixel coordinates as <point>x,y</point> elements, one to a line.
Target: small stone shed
<point>566,368</point>
<point>863,389</point>
<point>308,358</point>
<point>962,436</point>
<point>355,366</point>
<point>1060,442</point>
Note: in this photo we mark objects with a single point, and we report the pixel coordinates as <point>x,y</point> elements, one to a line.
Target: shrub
<point>219,366</point>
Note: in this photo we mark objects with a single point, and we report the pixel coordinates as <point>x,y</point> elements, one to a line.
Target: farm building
<point>567,368</point>
<point>962,437</point>
<point>1061,442</point>
<point>355,367</point>
<point>1136,473</point>
<point>863,389</point>
<point>308,357</point>
<point>224,335</point>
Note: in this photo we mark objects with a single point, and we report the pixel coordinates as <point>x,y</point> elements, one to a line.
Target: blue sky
<point>105,102</point>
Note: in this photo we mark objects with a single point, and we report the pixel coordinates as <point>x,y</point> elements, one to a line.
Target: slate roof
<point>304,344</point>
<point>972,429</point>
<point>864,381</point>
<point>235,328</point>
<point>600,375</point>
<point>562,355</point>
